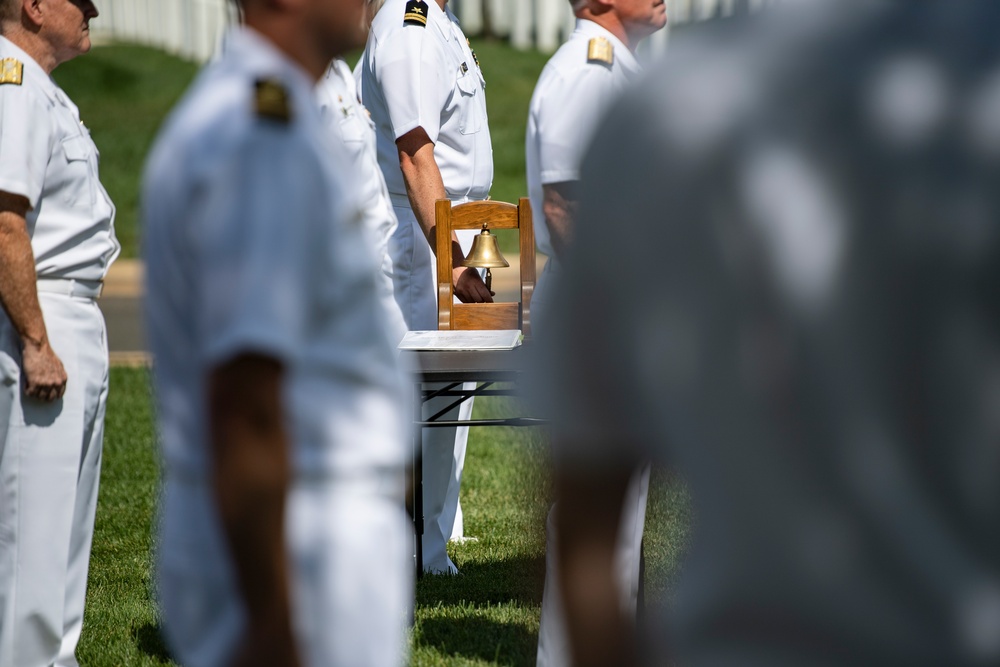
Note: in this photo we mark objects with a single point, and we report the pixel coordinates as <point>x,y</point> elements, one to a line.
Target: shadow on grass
<point>149,640</point>
<point>493,582</point>
<point>480,638</point>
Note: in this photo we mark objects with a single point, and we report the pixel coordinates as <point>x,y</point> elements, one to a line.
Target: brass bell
<point>485,254</point>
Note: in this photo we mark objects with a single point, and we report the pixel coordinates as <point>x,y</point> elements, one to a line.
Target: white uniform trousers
<point>50,463</point>
<point>544,288</point>
<point>553,644</point>
<point>352,581</point>
<point>415,288</point>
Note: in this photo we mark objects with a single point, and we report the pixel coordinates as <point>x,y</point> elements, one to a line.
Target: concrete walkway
<point>121,303</point>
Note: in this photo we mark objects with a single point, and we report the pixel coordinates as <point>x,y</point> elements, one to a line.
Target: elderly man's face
<point>66,25</point>
<point>641,18</point>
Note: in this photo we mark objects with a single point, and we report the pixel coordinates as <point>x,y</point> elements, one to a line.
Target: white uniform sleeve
<point>413,76</point>
<point>567,116</point>
<point>25,142</point>
<point>253,222</point>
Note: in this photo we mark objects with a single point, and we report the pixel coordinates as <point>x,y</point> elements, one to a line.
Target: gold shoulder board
<point>11,71</point>
<point>271,100</point>
<point>599,50</point>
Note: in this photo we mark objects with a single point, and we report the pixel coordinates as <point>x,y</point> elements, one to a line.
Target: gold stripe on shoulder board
<point>600,50</point>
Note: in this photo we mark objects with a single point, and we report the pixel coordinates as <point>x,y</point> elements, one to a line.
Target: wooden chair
<point>472,215</point>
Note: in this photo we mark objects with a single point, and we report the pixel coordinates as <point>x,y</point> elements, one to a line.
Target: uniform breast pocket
<point>80,177</point>
<point>471,118</point>
<point>352,128</point>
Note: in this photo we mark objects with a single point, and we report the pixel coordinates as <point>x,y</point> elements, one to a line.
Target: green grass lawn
<point>486,616</point>
<point>125,91</point>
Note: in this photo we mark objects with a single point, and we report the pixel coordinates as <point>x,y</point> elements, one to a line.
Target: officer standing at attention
<point>351,124</point>
<point>56,243</point>
<point>283,415</point>
<point>422,83</point>
<point>578,83</point>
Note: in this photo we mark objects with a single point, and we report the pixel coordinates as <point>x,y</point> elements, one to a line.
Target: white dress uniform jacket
<point>577,85</point>
<point>575,88</point>
<point>427,76</point>
<point>418,70</point>
<point>254,242</point>
<point>50,453</point>
<point>342,112</point>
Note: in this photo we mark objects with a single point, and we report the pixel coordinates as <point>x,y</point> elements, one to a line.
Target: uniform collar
<point>623,57</point>
<point>33,70</point>
<point>443,18</point>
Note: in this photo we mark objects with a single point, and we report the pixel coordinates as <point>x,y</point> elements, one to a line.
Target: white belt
<point>403,201</point>
<point>87,289</point>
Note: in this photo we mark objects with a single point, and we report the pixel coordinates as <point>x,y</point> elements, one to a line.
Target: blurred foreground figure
<point>586,75</point>
<point>808,330</point>
<point>282,538</point>
<point>57,241</point>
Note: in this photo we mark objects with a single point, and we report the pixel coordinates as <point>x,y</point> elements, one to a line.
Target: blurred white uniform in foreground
<point>254,244</point>
<point>817,352</point>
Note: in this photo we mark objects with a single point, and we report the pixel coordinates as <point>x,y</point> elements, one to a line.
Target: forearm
<point>18,287</point>
<point>587,517</point>
<point>559,204</point>
<point>424,187</point>
<point>250,478</point>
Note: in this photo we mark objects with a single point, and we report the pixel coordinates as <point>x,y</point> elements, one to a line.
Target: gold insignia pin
<point>599,50</point>
<point>271,100</point>
<point>11,71</point>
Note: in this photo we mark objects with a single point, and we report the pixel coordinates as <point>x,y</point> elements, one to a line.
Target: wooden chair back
<point>472,215</point>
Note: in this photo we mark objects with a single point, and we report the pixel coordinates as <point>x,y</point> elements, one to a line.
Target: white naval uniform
<point>50,453</point>
<point>342,112</point>
<point>254,243</point>
<point>571,96</point>
<point>427,76</point>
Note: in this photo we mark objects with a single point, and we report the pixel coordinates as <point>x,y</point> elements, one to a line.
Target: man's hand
<point>587,517</point>
<point>469,286</point>
<point>267,650</point>
<point>44,375</point>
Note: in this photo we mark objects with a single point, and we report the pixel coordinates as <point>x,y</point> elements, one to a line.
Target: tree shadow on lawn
<point>480,638</point>
<point>518,579</point>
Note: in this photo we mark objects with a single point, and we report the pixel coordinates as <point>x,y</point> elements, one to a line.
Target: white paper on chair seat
<point>503,339</point>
